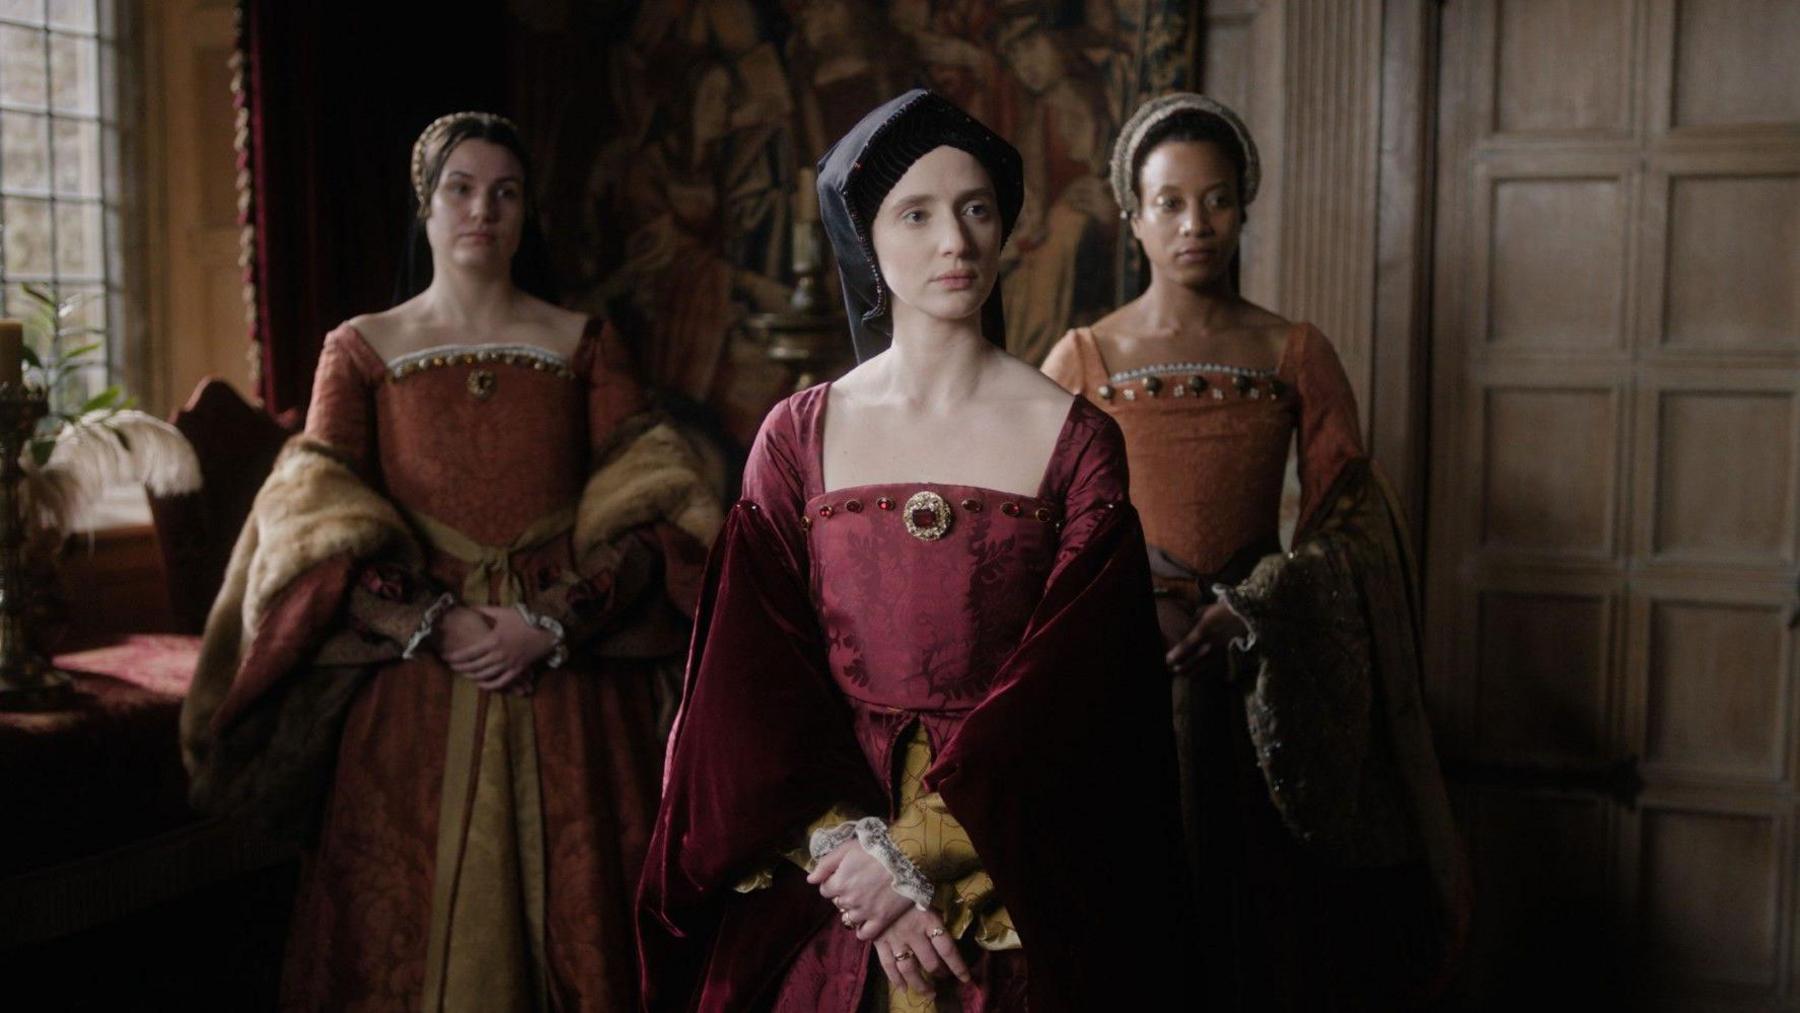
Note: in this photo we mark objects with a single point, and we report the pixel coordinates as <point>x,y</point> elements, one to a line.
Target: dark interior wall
<point>341,90</point>
<point>668,138</point>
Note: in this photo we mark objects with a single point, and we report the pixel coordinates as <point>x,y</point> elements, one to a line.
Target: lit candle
<point>12,343</point>
<point>806,197</point>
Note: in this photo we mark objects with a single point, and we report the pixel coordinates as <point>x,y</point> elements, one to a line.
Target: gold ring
<point>902,955</point>
<point>934,933</point>
<point>847,923</point>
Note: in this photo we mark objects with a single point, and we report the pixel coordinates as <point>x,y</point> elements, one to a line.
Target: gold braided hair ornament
<point>433,135</point>
<point>1155,111</point>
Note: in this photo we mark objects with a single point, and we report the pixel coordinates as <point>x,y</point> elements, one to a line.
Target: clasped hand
<point>492,646</point>
<point>860,887</point>
<point>1215,628</point>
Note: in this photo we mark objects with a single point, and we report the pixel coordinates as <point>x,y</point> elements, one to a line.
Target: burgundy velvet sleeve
<point>1067,767</point>
<point>1330,433</point>
<point>1094,476</point>
<point>762,744</point>
<point>774,478</point>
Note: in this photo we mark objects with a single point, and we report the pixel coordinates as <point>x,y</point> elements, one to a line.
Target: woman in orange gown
<point>444,624</point>
<point>1210,391</point>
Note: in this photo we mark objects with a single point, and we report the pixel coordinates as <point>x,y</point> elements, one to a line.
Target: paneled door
<point>1614,533</point>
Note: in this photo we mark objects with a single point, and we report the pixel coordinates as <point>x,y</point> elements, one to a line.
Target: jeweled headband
<point>1154,112</point>
<point>432,135</point>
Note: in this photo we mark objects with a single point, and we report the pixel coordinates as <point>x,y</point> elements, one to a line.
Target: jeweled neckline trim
<point>530,356</point>
<point>1127,375</point>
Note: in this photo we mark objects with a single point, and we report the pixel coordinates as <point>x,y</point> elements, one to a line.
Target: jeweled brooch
<point>482,383</point>
<point>927,516</point>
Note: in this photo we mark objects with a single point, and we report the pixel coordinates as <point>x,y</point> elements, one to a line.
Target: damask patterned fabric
<point>1206,472</point>
<point>1015,632</point>
<point>561,786</point>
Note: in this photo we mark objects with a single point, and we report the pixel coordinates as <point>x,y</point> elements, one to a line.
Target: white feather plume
<point>90,457</point>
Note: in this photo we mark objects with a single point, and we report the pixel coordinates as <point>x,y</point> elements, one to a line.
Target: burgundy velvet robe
<point>1062,773</point>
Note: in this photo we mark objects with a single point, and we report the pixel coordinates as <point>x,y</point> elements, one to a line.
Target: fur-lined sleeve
<point>644,523</point>
<point>646,514</point>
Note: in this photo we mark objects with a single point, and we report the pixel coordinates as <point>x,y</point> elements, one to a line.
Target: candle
<point>806,197</point>
<point>12,343</point>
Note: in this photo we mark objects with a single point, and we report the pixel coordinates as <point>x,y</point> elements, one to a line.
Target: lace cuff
<point>428,624</point>
<point>1225,594</point>
<point>872,834</point>
<point>559,653</point>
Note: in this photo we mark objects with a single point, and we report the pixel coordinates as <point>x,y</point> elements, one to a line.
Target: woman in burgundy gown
<point>922,759</point>
<point>437,649</point>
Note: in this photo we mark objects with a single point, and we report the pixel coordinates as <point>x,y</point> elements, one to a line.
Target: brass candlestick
<point>806,337</point>
<point>27,681</point>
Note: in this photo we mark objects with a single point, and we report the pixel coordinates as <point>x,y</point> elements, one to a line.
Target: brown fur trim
<point>311,508</point>
<point>655,477</point>
<point>314,507</point>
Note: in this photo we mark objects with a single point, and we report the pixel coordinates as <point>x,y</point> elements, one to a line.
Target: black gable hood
<point>864,165</point>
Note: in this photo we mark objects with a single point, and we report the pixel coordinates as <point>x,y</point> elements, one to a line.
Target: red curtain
<point>333,94</point>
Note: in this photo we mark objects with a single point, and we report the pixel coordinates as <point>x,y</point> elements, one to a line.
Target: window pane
<point>27,235</point>
<point>74,78</point>
<point>72,14</point>
<point>79,253</point>
<point>86,325</point>
<point>22,10</point>
<point>81,384</point>
<point>24,152</point>
<point>22,66</point>
<point>77,158</point>
<point>19,306</point>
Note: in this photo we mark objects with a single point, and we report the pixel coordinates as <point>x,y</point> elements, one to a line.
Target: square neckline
<point>590,330</point>
<point>1281,362</point>
<point>818,455</point>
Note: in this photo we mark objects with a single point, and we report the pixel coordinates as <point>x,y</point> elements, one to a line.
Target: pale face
<point>937,238</point>
<point>1189,218</point>
<point>477,212</point>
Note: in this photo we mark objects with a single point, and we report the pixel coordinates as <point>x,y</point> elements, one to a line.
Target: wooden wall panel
<point>1734,262</point>
<point>1542,685</point>
<point>1725,479</point>
<point>1563,66</point>
<point>1735,63</point>
<point>1717,691</point>
<point>1709,892</point>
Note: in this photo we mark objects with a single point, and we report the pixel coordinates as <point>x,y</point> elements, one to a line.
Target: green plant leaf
<point>107,398</point>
